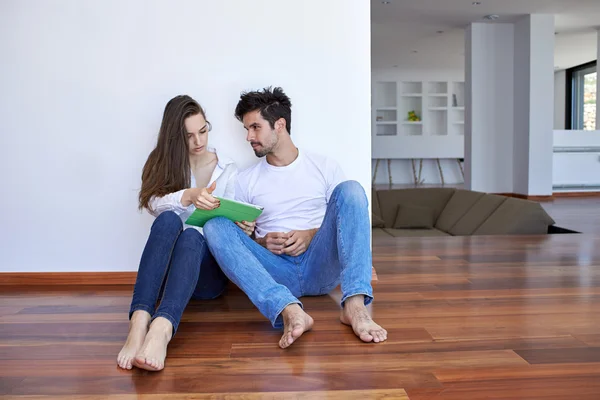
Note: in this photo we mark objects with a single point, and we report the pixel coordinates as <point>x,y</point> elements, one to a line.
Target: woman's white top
<point>225,174</point>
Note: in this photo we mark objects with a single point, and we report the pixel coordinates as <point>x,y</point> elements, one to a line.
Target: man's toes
<point>366,336</point>
<point>286,340</point>
<point>297,332</point>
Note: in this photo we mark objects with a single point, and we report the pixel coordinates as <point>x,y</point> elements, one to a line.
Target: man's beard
<point>261,152</point>
<point>264,150</point>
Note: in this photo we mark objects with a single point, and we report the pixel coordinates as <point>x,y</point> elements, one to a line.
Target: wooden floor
<point>468,318</point>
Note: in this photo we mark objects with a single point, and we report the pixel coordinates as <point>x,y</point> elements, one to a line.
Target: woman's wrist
<point>185,198</point>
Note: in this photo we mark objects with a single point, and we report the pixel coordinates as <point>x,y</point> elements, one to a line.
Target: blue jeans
<point>340,252</point>
<point>176,265</point>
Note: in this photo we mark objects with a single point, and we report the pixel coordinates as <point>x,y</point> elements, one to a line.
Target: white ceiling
<point>405,26</point>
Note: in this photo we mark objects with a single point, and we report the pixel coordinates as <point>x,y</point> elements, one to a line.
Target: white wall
<point>598,85</point>
<point>417,146</point>
<point>522,105</point>
<point>84,88</point>
<point>540,68</point>
<point>560,95</point>
<point>576,160</point>
<point>489,107</point>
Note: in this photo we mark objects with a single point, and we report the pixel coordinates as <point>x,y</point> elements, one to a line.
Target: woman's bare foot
<point>152,355</point>
<point>356,315</point>
<point>295,322</point>
<point>138,327</point>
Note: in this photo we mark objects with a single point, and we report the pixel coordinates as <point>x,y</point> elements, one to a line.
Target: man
<point>312,235</point>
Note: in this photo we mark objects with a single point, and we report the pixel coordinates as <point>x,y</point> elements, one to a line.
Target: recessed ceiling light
<point>476,3</point>
<point>415,51</point>
<point>385,2</point>
<point>440,32</point>
<point>395,66</point>
<point>491,17</point>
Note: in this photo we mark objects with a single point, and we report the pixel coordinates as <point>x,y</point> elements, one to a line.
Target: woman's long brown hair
<point>167,169</point>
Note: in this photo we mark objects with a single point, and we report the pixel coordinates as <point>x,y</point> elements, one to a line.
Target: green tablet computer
<point>233,210</point>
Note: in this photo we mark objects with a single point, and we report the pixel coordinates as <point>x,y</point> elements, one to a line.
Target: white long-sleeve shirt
<point>225,174</point>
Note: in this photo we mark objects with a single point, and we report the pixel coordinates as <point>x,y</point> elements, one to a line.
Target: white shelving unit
<point>438,104</point>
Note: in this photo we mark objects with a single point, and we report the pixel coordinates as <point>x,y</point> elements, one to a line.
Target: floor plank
<point>468,318</point>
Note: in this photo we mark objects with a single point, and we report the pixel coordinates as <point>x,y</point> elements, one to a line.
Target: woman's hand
<point>201,198</point>
<point>247,227</point>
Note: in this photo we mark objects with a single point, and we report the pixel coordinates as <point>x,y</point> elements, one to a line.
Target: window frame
<point>572,106</point>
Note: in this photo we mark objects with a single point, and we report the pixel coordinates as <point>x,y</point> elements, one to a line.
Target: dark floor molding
<point>75,278</point>
<point>67,278</point>
<point>550,198</point>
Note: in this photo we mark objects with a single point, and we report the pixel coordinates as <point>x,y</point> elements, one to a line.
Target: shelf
<point>412,123</point>
<point>438,88</point>
<point>413,129</point>
<point>438,108</point>
<point>412,87</point>
<point>386,108</point>
<point>412,95</point>
<point>385,95</point>
<point>386,130</point>
<point>459,123</point>
<point>458,108</point>
<point>438,95</point>
<point>386,122</point>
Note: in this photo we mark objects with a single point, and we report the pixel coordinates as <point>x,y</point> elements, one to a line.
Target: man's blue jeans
<point>340,252</point>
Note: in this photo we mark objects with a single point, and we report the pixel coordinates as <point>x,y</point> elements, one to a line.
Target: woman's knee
<point>167,221</point>
<point>192,238</point>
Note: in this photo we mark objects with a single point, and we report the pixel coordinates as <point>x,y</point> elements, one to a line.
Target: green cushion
<point>517,217</point>
<point>459,205</point>
<point>380,233</point>
<point>375,210</point>
<point>410,216</point>
<point>377,222</point>
<point>434,198</point>
<point>415,232</point>
<point>477,214</point>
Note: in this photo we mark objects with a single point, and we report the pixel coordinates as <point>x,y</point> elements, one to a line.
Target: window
<point>581,97</point>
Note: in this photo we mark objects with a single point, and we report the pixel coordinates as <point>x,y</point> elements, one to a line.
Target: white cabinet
<point>439,130</point>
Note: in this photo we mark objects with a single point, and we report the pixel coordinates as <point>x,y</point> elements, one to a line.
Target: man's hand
<point>274,242</point>
<point>298,242</point>
<point>247,227</point>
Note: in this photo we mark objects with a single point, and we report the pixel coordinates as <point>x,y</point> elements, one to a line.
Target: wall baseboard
<point>552,197</point>
<point>532,198</point>
<point>66,278</point>
<point>576,194</point>
<point>77,278</point>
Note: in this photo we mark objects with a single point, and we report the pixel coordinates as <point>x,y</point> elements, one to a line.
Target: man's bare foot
<point>152,355</point>
<point>295,322</point>
<point>138,327</point>
<point>356,315</point>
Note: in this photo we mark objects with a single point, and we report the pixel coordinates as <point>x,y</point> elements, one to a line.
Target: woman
<point>180,175</point>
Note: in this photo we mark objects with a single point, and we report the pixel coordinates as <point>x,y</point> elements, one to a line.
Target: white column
<point>509,116</point>
<point>489,107</point>
<point>533,105</point>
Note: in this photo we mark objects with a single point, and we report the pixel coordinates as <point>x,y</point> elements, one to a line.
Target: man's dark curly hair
<point>273,104</point>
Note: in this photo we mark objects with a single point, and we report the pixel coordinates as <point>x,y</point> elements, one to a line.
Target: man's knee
<point>351,191</point>
<point>216,227</point>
